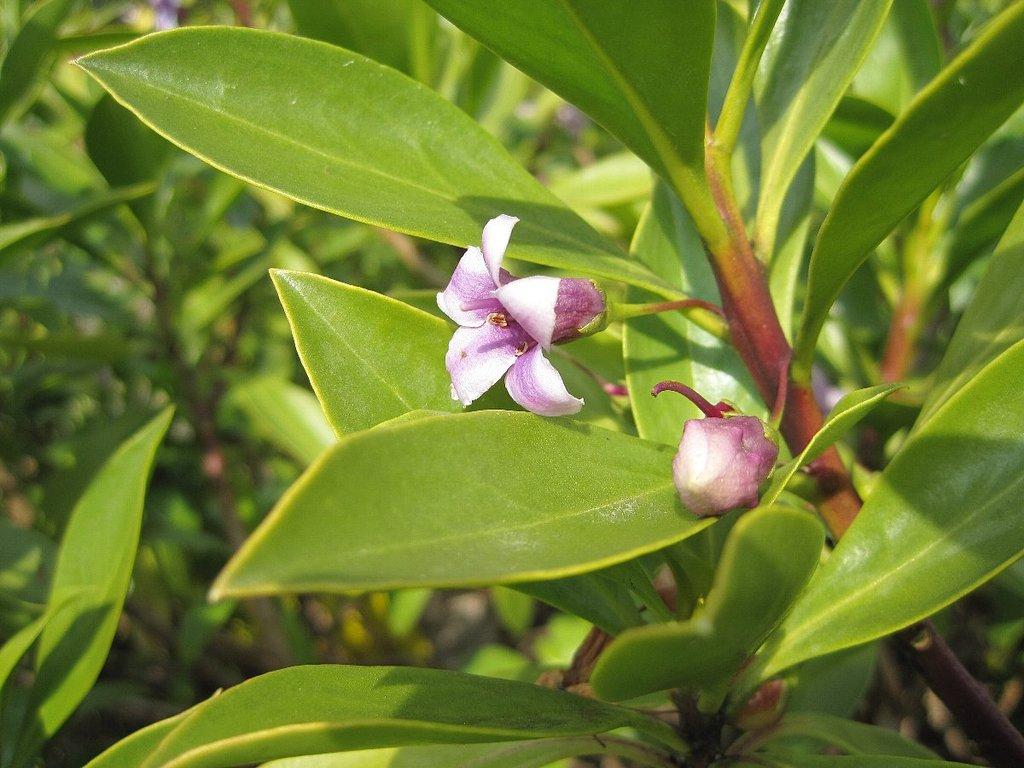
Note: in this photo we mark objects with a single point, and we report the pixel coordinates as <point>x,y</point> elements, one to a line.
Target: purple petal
<point>534,383</point>
<point>468,299</point>
<point>531,301</point>
<point>496,235</point>
<point>478,357</point>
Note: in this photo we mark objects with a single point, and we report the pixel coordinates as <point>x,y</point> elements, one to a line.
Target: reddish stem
<point>709,410</point>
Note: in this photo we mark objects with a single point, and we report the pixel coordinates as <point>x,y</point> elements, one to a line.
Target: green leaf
<point>768,558</point>
<point>512,497</point>
<point>93,571</point>
<point>848,735</point>
<point>982,223</point>
<point>613,180</point>
<point>940,520</point>
<point>940,129</point>
<point>992,323</point>
<point>613,61</point>
<point>667,346</point>
<point>810,60</point>
<point>906,55</point>
<point>29,56</point>
<point>339,132</point>
<point>12,651</point>
<point>30,233</point>
<point>132,751</point>
<point>285,414</point>
<point>330,708</point>
<point>387,31</point>
<point>602,601</point>
<point>528,754</point>
<point>845,416</point>
<point>369,357</point>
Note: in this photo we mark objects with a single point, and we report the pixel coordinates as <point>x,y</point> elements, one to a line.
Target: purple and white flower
<point>506,323</point>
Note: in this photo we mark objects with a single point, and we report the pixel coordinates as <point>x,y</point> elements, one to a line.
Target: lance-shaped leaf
<point>521,754</point>
<point>323,709</point>
<point>803,760</point>
<point>132,751</point>
<point>810,60</point>
<point>993,322</point>
<point>768,557</point>
<point>614,61</point>
<point>285,414</point>
<point>340,132</point>
<point>942,518</point>
<point>848,735</point>
<point>369,357</point>
<point>943,125</point>
<point>844,417</point>
<point>474,499</point>
<point>94,568</point>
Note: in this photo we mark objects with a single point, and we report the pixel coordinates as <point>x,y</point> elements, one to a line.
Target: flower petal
<point>468,299</point>
<point>531,302</point>
<point>478,357</point>
<point>496,235</point>
<point>534,383</point>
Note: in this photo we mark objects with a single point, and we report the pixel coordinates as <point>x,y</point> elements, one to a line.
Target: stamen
<point>521,349</point>
<point>498,319</point>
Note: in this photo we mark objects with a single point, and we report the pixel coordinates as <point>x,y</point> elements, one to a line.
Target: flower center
<point>498,319</point>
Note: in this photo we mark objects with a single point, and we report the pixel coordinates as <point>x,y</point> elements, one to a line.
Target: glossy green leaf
<point>942,518</point>
<point>29,233</point>
<point>612,60</point>
<point>613,180</point>
<point>93,572</point>
<point>528,754</point>
<point>16,646</point>
<point>847,735</point>
<point>768,558</point>
<point>992,323</point>
<point>385,508</point>
<point>369,357</point>
<point>30,55</point>
<point>602,601</point>
<point>334,130</point>
<point>845,416</point>
<point>906,55</point>
<point>285,414</point>
<point>810,60</point>
<point>133,750</point>
<point>983,222</point>
<point>943,125</point>
<point>667,346</point>
<point>123,149</point>
<point>324,709</point>
<point>397,33</point>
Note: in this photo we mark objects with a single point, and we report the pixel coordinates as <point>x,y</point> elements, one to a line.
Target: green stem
<point>730,119</point>
<point>701,313</point>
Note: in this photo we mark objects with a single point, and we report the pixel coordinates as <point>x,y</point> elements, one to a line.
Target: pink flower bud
<point>722,458</point>
<point>721,463</point>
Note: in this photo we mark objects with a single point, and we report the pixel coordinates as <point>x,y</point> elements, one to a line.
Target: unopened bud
<point>554,309</point>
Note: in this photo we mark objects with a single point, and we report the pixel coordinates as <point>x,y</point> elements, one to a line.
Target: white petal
<point>531,301</point>
<point>496,235</point>
<point>478,357</point>
<point>534,383</point>
<point>468,298</point>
